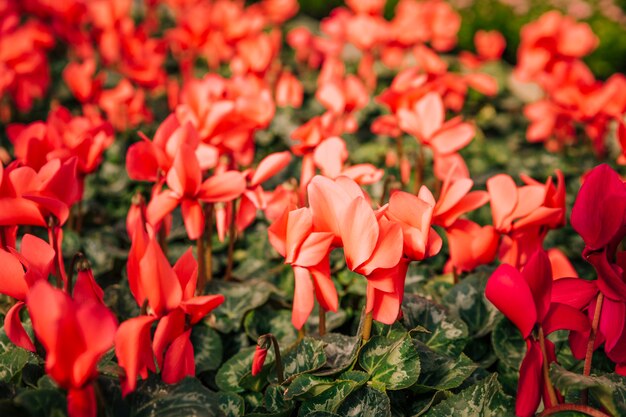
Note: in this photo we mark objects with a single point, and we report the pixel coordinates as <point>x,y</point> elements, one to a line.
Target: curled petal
<point>15,330</point>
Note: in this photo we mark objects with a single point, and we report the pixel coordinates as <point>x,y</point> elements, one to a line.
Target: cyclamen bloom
<point>599,215</point>
<point>523,215</point>
<point>525,299</point>
<point>378,244</point>
<point>20,272</point>
<point>90,327</point>
<point>169,294</point>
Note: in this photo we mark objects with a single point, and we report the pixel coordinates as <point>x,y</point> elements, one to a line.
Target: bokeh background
<point>606,17</point>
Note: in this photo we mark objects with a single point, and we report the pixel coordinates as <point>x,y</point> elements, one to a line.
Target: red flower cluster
<point>550,54</point>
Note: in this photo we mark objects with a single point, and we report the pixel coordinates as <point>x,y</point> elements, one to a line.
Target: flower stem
<point>367,327</point>
<point>76,261</point>
<point>546,372</point>
<point>386,185</point>
<point>419,169</point>
<point>585,409</point>
<point>278,360</point>
<point>322,321</point>
<point>201,266</point>
<point>232,237</point>
<point>163,239</point>
<point>208,250</point>
<point>584,398</point>
<point>53,230</point>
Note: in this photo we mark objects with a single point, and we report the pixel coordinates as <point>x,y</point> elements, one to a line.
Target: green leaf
<point>341,351</point>
<point>467,301</point>
<point>119,298</point>
<point>306,356</point>
<point>207,347</point>
<point>609,390</point>
<point>330,399</point>
<point>448,334</point>
<point>234,369</point>
<point>267,320</point>
<point>441,372</point>
<point>240,298</point>
<point>231,404</point>
<point>275,399</point>
<point>306,386</point>
<point>187,398</point>
<point>420,407</point>
<point>394,363</point>
<point>508,344</point>
<point>366,401</point>
<point>43,402</point>
<point>485,399</point>
<point>13,361</point>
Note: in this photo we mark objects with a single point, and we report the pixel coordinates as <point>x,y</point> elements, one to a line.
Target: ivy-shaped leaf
<point>448,334</point>
<point>341,351</point>
<point>467,301</point>
<point>306,386</point>
<point>207,347</point>
<point>508,344</point>
<point>366,401</point>
<point>609,390</point>
<point>441,372</point>
<point>306,356</point>
<point>231,404</point>
<point>275,399</point>
<point>267,320</point>
<point>187,398</point>
<point>43,402</point>
<point>393,363</point>
<point>329,400</point>
<point>485,399</point>
<point>240,298</point>
<point>233,370</point>
<point>12,362</point>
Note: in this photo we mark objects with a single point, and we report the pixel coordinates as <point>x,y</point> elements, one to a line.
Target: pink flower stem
<point>584,398</point>
<point>546,372</point>
<point>419,169</point>
<point>232,237</point>
<point>585,409</point>
<point>53,226</point>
